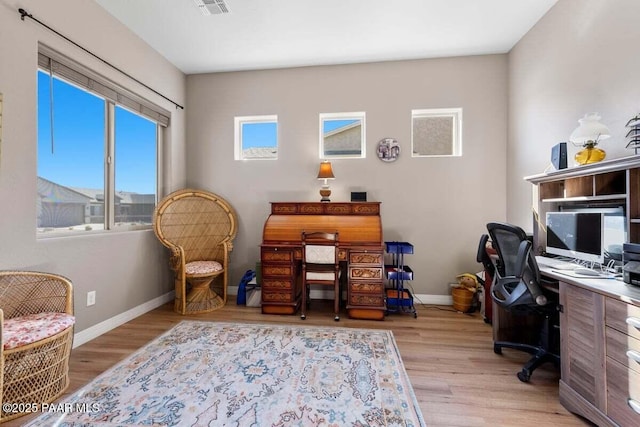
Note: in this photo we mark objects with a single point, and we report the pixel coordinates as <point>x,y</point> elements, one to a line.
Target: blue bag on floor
<point>242,287</point>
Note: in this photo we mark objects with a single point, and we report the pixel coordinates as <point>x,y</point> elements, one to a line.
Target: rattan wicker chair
<point>198,227</point>
<point>36,329</point>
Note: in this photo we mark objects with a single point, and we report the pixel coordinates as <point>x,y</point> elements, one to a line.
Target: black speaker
<point>358,196</point>
<point>559,155</point>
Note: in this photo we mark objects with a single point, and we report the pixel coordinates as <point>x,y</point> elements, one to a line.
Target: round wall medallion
<point>388,149</point>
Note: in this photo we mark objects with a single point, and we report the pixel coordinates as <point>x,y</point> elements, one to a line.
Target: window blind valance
<point>70,70</point>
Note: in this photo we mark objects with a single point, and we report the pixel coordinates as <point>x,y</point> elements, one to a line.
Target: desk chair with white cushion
<point>320,266</point>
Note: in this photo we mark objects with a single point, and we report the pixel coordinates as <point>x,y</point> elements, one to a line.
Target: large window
<point>97,159</point>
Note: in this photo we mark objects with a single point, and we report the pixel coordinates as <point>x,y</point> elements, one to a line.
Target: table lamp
<point>325,173</point>
<point>588,134</point>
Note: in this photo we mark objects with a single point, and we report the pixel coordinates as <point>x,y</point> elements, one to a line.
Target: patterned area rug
<point>232,374</point>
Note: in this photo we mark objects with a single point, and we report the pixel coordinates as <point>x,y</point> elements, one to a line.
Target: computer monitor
<point>578,235</point>
<point>614,233</point>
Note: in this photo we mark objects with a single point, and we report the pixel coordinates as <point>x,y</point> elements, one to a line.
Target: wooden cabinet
<point>600,352</point>
<point>600,319</point>
<point>280,284</point>
<point>622,322</point>
<point>582,351</point>
<point>365,293</point>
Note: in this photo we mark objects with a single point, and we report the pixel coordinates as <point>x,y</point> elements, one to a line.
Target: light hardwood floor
<point>456,377</point>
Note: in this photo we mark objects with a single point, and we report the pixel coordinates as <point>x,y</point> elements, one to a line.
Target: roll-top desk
<point>361,249</point>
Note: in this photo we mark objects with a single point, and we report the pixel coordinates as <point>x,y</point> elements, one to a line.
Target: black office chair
<point>518,288</point>
<point>484,258</point>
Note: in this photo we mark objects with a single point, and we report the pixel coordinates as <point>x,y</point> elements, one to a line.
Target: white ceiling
<point>259,34</point>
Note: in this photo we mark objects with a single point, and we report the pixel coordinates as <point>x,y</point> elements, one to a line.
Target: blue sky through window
<point>256,134</point>
<point>333,124</point>
<point>78,153</point>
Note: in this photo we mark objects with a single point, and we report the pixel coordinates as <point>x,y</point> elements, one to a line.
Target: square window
<point>436,132</point>
<point>256,137</point>
<point>342,135</point>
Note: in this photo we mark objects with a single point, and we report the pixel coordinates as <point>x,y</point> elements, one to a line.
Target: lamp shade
<point>590,130</point>
<point>325,171</point>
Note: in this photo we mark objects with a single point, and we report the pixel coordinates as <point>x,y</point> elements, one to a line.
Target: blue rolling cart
<point>399,299</point>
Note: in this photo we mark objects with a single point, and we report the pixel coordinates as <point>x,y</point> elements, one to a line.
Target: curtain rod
<point>23,13</point>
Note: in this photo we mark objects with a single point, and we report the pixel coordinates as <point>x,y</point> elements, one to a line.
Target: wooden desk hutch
<point>599,319</point>
<point>361,249</point>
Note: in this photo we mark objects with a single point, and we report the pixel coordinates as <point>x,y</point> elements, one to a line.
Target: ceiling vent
<point>212,7</point>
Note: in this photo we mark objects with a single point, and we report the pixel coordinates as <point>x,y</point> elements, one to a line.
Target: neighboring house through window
<point>342,135</point>
<point>97,151</point>
<point>436,132</point>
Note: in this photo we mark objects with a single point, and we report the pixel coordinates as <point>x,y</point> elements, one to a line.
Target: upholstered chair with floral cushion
<point>198,227</point>
<point>36,332</point>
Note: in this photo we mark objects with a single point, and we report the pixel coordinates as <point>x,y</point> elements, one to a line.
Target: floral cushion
<point>24,330</point>
<point>202,267</point>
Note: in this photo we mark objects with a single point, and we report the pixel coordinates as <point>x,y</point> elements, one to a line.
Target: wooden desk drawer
<point>276,270</point>
<point>276,255</point>
<point>365,258</point>
<point>366,300</point>
<point>365,272</point>
<point>270,284</point>
<point>623,394</point>
<point>623,317</point>
<point>277,296</point>
<point>367,287</point>
<point>623,348</point>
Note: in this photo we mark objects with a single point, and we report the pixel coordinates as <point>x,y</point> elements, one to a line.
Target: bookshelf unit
<point>608,183</point>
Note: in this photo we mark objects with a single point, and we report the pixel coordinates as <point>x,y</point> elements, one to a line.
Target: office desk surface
<point>614,288</point>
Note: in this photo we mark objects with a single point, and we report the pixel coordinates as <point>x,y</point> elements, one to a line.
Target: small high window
<point>256,137</point>
<point>342,135</point>
<point>436,132</point>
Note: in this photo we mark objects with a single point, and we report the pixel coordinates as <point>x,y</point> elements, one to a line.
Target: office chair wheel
<point>497,349</point>
<point>524,375</point>
<point>337,318</point>
<point>303,317</point>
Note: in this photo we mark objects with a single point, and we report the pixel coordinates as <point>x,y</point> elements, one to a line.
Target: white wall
<point>578,58</point>
<point>582,56</point>
<point>126,269</point>
<point>441,205</point>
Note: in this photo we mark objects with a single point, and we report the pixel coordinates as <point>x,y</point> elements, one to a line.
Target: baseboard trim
<point>327,294</point>
<point>95,331</point>
<point>433,299</point>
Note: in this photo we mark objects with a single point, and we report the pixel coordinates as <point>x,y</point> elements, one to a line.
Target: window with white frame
<point>436,132</point>
<point>342,135</point>
<point>98,153</point>
<point>256,137</point>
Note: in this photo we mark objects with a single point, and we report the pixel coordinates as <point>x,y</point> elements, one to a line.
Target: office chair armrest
<point>524,252</point>
<point>522,258</point>
<point>482,249</point>
<point>506,291</point>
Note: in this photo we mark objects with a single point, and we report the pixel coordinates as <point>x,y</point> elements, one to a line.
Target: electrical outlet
<point>91,298</point>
